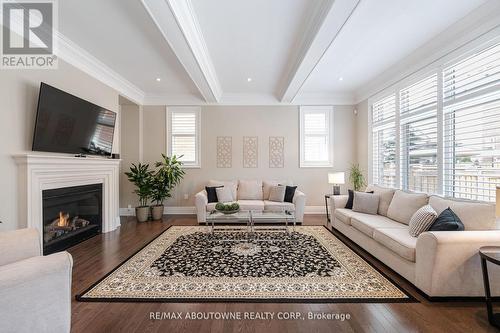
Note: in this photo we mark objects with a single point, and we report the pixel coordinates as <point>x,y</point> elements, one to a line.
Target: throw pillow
<point>277,193</point>
<point>404,205</point>
<point>289,193</point>
<point>211,193</point>
<point>250,190</point>
<point>365,203</point>
<point>447,221</point>
<point>350,199</point>
<point>385,194</point>
<point>224,194</point>
<point>422,220</point>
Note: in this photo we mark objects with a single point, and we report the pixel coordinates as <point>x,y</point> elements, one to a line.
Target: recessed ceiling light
<point>341,78</point>
<point>249,79</point>
<point>158,79</point>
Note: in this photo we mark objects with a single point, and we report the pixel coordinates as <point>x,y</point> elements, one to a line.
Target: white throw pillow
<point>224,194</point>
<point>404,205</point>
<point>365,203</point>
<point>277,193</point>
<point>422,220</point>
<point>385,194</point>
<point>231,184</point>
<point>250,190</point>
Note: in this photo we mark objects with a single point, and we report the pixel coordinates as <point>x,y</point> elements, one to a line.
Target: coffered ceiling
<point>251,51</point>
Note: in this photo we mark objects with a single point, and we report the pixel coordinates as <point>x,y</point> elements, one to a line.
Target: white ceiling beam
<point>326,23</point>
<point>178,24</point>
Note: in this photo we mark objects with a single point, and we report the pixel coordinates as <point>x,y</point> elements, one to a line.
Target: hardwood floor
<point>99,255</point>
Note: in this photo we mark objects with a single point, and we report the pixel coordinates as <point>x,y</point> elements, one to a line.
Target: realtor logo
<point>28,34</point>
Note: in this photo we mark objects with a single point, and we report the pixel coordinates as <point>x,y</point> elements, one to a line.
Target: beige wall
<point>362,136</point>
<point>261,121</point>
<point>18,96</point>
<point>130,150</point>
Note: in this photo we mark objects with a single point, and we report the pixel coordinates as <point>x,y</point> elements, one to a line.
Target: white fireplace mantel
<point>39,172</point>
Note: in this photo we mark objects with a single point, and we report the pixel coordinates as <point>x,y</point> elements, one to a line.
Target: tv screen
<point>68,124</point>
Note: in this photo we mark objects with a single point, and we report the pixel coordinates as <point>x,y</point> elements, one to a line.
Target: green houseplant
<point>141,177</point>
<point>356,177</point>
<point>167,176</point>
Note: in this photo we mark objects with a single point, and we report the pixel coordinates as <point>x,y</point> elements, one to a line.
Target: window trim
<point>329,110</point>
<point>185,109</point>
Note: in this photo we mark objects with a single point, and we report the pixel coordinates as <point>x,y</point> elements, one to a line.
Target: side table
<point>327,196</point>
<point>491,254</point>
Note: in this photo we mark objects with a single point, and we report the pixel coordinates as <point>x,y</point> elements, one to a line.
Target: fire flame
<point>63,220</point>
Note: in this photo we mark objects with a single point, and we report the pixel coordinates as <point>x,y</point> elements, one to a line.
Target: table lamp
<point>337,179</point>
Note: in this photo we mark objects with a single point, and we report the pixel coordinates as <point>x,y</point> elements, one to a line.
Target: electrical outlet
<point>186,196</point>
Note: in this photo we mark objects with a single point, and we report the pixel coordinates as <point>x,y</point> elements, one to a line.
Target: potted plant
<point>168,175</point>
<point>356,177</point>
<point>141,177</point>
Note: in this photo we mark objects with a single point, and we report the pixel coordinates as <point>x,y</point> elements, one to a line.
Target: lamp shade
<point>336,178</point>
<point>498,201</point>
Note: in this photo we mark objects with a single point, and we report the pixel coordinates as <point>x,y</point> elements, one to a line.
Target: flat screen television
<point>68,124</point>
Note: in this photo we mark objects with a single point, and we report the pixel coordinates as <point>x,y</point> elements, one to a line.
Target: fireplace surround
<point>40,172</point>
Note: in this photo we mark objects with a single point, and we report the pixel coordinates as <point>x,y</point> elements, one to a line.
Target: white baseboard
<point>191,210</point>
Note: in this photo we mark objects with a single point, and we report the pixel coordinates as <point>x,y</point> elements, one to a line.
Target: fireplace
<point>70,216</point>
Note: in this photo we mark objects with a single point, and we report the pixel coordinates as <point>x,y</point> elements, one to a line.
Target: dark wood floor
<point>99,255</point>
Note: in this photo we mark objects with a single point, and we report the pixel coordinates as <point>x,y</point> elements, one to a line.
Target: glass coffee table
<point>250,218</point>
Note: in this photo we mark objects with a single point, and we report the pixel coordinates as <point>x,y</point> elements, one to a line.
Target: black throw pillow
<point>212,193</point>
<point>350,199</point>
<point>447,221</point>
<point>289,193</point>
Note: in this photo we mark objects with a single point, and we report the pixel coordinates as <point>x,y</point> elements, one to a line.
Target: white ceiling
<point>121,35</point>
<point>378,35</point>
<point>203,48</point>
<point>251,39</point>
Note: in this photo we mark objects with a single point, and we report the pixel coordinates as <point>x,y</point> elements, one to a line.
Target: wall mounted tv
<point>68,124</point>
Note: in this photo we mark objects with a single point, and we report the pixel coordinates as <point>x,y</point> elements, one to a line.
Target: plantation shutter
<point>316,136</point>
<point>471,97</point>
<point>184,134</point>
<point>384,142</point>
<point>418,136</point>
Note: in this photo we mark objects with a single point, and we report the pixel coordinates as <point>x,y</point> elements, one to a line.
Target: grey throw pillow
<point>277,193</point>
<point>422,220</point>
<point>365,203</point>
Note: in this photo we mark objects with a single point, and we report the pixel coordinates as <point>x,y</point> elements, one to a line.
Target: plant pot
<point>157,212</point>
<point>142,213</point>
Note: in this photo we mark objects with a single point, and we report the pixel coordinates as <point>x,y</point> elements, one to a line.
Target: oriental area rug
<point>191,264</point>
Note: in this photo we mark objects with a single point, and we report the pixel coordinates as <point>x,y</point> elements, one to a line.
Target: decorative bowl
<point>227,212</point>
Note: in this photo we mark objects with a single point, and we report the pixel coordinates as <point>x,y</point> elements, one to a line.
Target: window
<point>183,128</point>
<point>472,126</point>
<point>418,135</point>
<point>442,133</point>
<point>384,142</point>
<point>316,137</point>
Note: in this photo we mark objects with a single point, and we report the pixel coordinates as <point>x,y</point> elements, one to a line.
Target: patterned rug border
<point>81,296</point>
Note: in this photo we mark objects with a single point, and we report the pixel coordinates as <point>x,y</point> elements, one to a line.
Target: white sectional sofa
<point>251,195</point>
<point>439,263</point>
<point>35,290</point>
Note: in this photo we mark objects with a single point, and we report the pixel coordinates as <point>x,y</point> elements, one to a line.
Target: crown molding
<point>83,60</point>
<point>480,26</point>
<point>324,98</point>
<point>324,27</point>
<point>242,99</point>
<point>176,20</point>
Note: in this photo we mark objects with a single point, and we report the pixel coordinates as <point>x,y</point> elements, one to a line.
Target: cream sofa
<point>440,264</point>
<point>251,195</point>
<point>35,290</point>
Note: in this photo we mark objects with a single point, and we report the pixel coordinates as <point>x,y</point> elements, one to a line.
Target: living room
<point>277,166</point>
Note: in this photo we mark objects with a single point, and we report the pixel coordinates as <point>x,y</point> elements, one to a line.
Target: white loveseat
<point>439,263</point>
<point>35,290</point>
<point>251,195</point>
